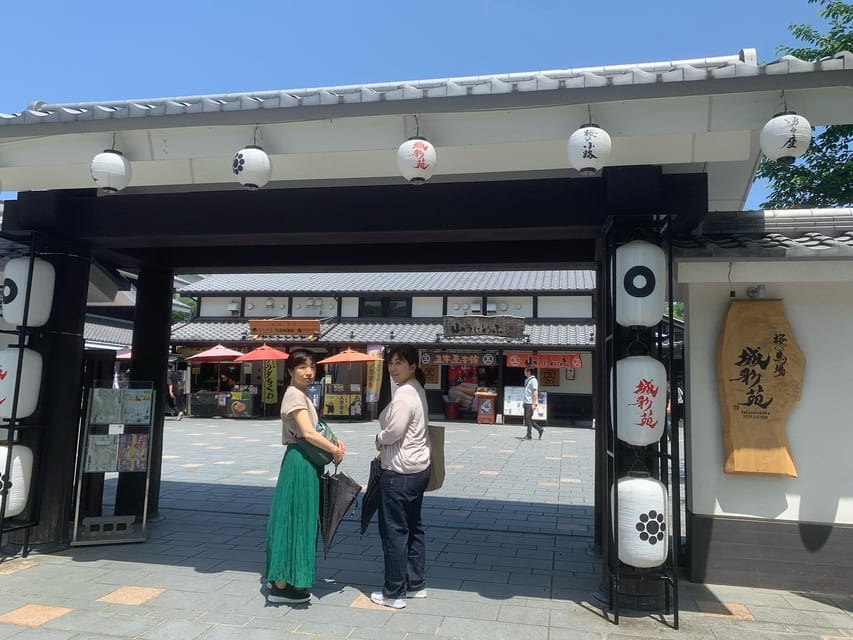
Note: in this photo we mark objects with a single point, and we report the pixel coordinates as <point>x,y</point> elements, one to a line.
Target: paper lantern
<point>252,166</point>
<point>589,148</point>
<point>640,284</point>
<point>785,137</point>
<point>643,528</point>
<point>15,289</point>
<point>111,170</point>
<point>416,160</point>
<point>28,391</point>
<point>640,407</point>
<point>20,476</point>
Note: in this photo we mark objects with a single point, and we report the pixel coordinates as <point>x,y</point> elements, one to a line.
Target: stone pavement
<point>507,541</point>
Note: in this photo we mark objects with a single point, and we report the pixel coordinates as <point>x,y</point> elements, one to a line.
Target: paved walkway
<point>507,539</point>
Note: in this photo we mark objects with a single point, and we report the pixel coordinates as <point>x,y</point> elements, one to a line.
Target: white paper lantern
<point>640,407</point>
<point>643,528</point>
<point>252,166</point>
<point>28,391</point>
<point>15,290</point>
<point>111,170</point>
<point>20,477</point>
<point>589,148</point>
<point>416,160</point>
<point>641,274</point>
<point>785,137</point>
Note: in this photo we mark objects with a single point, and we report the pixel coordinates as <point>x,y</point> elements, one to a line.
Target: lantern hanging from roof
<point>28,390</point>
<point>111,170</point>
<point>640,284</point>
<point>640,406</point>
<point>20,474</point>
<point>589,148</point>
<point>785,137</point>
<point>252,166</point>
<point>643,529</point>
<point>416,159</point>
<point>15,290</point>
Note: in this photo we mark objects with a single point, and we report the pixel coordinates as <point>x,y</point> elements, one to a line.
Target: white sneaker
<point>394,603</point>
<point>420,593</point>
<point>180,415</point>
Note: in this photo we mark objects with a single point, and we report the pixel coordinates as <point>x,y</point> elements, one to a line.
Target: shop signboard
<point>285,327</point>
<point>465,326</point>
<point>471,358</point>
<point>545,360</point>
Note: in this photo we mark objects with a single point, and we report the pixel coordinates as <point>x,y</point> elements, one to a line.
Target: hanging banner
<point>545,361</point>
<point>374,374</point>
<point>471,358</point>
<point>269,382</point>
<point>505,326</point>
<point>760,370</point>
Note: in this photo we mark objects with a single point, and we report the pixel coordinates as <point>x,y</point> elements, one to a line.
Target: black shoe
<point>541,431</point>
<point>527,438</point>
<point>288,595</point>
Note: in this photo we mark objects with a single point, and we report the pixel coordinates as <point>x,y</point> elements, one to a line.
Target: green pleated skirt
<point>292,527</point>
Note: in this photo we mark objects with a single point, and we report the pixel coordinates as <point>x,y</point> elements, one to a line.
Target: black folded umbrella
<point>370,501</point>
<point>337,494</point>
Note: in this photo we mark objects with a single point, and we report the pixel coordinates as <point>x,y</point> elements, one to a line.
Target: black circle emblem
<point>640,271</point>
<point>9,284</point>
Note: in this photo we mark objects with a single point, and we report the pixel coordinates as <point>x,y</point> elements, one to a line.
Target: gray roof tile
<point>409,283</point>
<point>107,332</point>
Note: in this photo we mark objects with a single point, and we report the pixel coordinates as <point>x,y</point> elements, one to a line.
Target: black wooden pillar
<point>61,347</point>
<point>151,332</point>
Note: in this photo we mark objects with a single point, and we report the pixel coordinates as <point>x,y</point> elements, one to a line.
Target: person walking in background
<point>293,521</point>
<point>175,383</point>
<point>404,452</point>
<point>530,401</point>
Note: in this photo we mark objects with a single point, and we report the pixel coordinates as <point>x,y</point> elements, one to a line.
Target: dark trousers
<point>528,419</point>
<point>180,403</point>
<point>401,530</point>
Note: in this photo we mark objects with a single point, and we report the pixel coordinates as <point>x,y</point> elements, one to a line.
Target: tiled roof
<point>550,333</point>
<point>414,283</point>
<point>107,332</point>
<point>666,72</point>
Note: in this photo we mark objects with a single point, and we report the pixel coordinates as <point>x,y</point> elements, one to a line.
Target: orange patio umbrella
<point>349,356</point>
<point>264,352</point>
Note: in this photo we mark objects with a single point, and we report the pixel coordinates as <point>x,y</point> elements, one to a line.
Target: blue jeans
<point>401,530</point>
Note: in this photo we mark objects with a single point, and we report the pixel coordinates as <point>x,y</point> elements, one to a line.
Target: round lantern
<point>785,137</point>
<point>416,160</point>
<point>15,291</point>
<point>640,284</point>
<point>252,166</point>
<point>111,170</point>
<point>19,477</point>
<point>28,390</point>
<point>589,148</point>
<point>640,406</point>
<point>643,529</point>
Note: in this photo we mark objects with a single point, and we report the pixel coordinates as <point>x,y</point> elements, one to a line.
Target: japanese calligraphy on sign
<point>644,392</point>
<point>759,374</point>
<point>545,360</point>
<point>504,326</point>
<point>472,358</point>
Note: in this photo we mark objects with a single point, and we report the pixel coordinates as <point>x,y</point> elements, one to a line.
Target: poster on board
<point>513,397</point>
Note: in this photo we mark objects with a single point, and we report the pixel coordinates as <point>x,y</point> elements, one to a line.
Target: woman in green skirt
<point>292,527</point>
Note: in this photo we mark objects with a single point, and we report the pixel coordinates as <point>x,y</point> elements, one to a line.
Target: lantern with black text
<point>640,284</point>
<point>17,485</point>
<point>588,149</point>
<point>111,170</point>
<point>15,289</point>
<point>640,400</point>
<point>643,529</point>
<point>28,390</point>
<point>785,137</point>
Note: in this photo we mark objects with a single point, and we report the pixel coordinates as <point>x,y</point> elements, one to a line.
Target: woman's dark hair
<point>409,354</point>
<point>298,357</point>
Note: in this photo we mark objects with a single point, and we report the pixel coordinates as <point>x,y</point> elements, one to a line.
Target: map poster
<point>105,406</point>
<point>136,406</point>
<point>133,452</point>
<point>101,453</point>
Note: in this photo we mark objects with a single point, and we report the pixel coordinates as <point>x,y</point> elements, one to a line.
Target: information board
<point>513,397</point>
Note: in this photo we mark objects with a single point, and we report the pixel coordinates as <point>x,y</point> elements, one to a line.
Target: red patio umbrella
<point>264,352</point>
<point>217,354</point>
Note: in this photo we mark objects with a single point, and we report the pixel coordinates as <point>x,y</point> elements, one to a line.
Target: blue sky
<point>58,51</point>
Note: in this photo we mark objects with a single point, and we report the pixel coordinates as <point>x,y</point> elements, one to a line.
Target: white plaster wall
<point>521,306</point>
<point>314,307</point>
<point>261,310</point>
<point>456,305</point>
<point>819,428</point>
<point>564,307</point>
<point>426,307</point>
<point>216,307</point>
<point>349,307</point>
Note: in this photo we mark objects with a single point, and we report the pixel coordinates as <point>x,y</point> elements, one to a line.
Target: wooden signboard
<point>285,327</point>
<point>545,361</point>
<point>760,370</point>
<point>506,326</point>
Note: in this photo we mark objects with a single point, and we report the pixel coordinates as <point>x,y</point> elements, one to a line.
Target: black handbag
<point>317,457</point>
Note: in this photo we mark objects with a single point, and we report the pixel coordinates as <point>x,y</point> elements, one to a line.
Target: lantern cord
<point>784,102</point>
<point>643,351</point>
<point>114,141</point>
<point>255,135</point>
<point>589,113</point>
<point>637,462</point>
<point>417,127</point>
